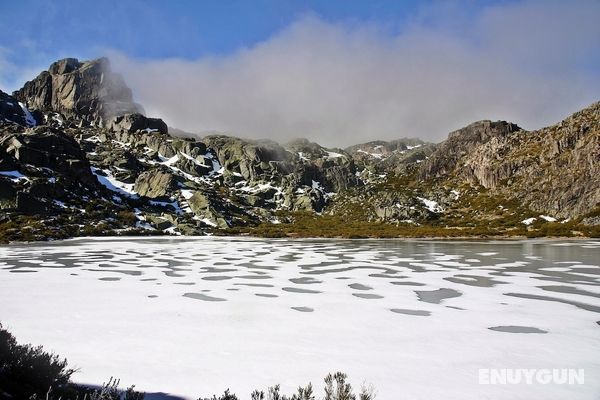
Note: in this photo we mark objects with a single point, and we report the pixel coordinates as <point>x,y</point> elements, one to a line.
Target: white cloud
<point>529,62</point>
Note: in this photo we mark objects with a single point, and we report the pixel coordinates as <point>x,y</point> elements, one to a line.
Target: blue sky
<point>338,72</point>
<point>33,33</point>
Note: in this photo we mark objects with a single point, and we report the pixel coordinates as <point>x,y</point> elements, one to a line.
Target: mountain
<point>79,157</point>
<point>87,91</point>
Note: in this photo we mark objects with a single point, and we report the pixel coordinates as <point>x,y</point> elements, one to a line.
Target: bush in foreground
<point>29,372</point>
<point>336,388</point>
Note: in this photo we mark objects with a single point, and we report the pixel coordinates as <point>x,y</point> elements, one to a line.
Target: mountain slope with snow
<point>78,157</point>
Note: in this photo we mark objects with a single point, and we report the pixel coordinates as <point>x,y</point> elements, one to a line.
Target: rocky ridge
<point>79,157</point>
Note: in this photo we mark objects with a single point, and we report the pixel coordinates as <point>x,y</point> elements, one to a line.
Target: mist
<point>531,63</point>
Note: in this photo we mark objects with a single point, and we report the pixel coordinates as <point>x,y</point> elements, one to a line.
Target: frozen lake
<point>417,319</point>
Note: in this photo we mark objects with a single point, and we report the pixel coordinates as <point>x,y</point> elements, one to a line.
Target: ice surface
<point>194,316</point>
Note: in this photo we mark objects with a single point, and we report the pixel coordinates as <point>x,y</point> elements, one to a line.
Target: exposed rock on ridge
<point>87,91</point>
<point>95,165</point>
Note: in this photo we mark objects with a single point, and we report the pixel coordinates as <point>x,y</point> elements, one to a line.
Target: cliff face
<point>78,154</point>
<point>88,90</point>
<point>555,170</point>
<point>451,153</point>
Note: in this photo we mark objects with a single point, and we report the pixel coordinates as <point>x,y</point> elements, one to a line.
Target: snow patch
<point>431,205</point>
<point>28,117</point>
<point>15,176</point>
<point>332,154</point>
<point>109,181</point>
<point>187,194</point>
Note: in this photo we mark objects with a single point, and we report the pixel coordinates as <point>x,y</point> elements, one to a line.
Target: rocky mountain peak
<point>89,91</point>
<point>65,66</point>
<point>77,155</point>
<point>462,142</point>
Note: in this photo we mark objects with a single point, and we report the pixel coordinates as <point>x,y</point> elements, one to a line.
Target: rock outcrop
<point>12,111</point>
<point>555,170</point>
<point>136,123</point>
<point>76,150</point>
<point>462,143</point>
<point>87,91</point>
<point>155,184</point>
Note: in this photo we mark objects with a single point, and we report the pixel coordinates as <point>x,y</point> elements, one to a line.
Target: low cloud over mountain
<point>344,83</point>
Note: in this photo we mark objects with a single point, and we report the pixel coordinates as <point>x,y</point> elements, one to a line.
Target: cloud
<point>531,62</point>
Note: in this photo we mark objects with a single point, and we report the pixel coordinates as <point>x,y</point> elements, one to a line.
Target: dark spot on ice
<point>152,296</point>
<point>517,329</point>
<point>254,277</point>
<point>422,313</point>
<point>216,278</point>
<point>305,280</point>
<point>407,283</point>
<point>359,286</point>
<point>265,295</point>
<point>200,296</point>
<point>303,309</point>
<point>583,306</point>
<point>22,270</point>
<point>110,278</point>
<point>298,290</point>
<point>367,295</point>
<point>254,284</point>
<point>436,296</point>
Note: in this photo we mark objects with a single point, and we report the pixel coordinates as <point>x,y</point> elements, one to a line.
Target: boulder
<point>160,223</point>
<point>155,183</point>
<point>49,148</point>
<point>30,205</point>
<point>137,122</point>
<point>206,206</point>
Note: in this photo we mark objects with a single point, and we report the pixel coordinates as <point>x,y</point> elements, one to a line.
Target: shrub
<point>336,388</point>
<point>225,396</point>
<point>28,372</point>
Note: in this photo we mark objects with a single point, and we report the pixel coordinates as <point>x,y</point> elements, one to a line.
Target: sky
<point>337,72</point>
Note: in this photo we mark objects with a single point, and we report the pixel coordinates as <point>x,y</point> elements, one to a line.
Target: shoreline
<point>475,238</point>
